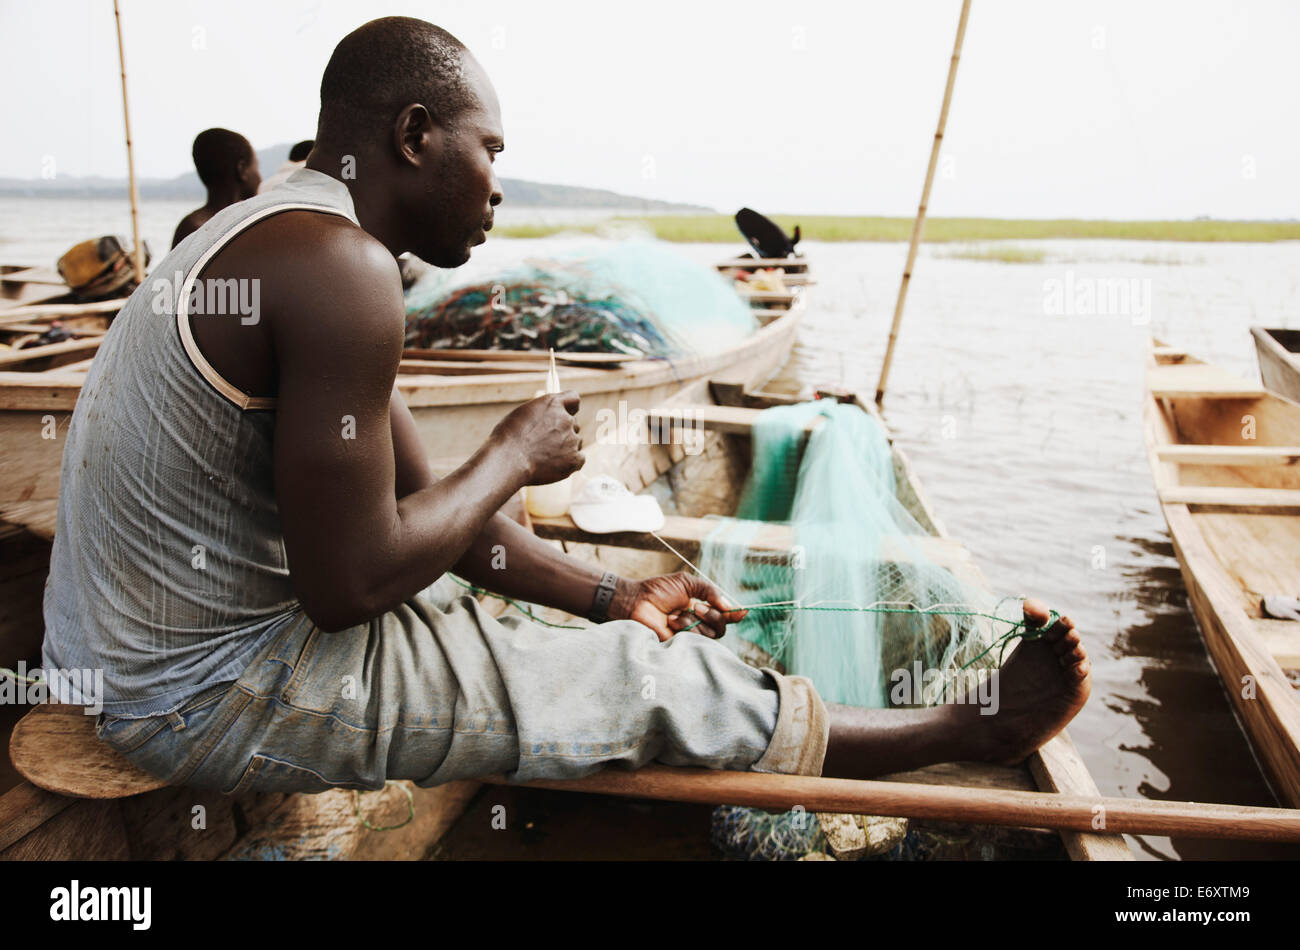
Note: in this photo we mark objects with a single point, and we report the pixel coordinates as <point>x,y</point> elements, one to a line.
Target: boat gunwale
<point>1234,648</point>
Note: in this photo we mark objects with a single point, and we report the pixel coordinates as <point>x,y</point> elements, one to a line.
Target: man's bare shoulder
<point>315,267</point>
<point>328,248</point>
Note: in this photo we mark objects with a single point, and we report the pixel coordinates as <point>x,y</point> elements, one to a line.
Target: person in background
<point>227,166</point>
<point>297,159</point>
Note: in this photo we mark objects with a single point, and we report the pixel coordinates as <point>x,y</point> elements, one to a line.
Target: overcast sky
<point>1123,109</point>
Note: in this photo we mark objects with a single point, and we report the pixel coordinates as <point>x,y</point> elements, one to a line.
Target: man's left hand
<point>671,602</point>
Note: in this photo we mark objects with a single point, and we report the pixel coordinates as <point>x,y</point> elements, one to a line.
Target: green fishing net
<point>634,297</point>
<point>854,593</point>
<point>863,601</point>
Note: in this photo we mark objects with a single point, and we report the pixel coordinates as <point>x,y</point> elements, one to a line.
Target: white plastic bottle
<point>549,501</point>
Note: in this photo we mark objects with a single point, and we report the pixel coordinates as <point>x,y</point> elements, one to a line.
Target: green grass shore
<point>721,228</point>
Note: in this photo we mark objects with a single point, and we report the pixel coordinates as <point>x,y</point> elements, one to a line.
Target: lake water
<point>1024,423</point>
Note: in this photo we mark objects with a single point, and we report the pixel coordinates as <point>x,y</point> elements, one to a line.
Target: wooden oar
<point>980,806</point>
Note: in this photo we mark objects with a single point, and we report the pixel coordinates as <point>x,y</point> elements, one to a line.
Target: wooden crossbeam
<point>66,348</point>
<point>1281,638</point>
<point>19,314</point>
<point>603,360</point>
<point>1230,454</point>
<point>686,535</point>
<point>757,263</point>
<point>1274,501</point>
<point>729,419</point>
<point>766,296</point>
<point>1198,381</point>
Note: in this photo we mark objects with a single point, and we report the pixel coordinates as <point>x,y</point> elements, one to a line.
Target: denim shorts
<point>439,690</point>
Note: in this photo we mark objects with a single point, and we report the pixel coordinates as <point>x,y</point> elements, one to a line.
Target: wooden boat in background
<point>1279,360</point>
<point>455,396</point>
<point>1225,455</point>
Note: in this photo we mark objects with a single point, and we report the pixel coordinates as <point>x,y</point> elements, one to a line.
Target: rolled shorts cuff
<point>803,728</point>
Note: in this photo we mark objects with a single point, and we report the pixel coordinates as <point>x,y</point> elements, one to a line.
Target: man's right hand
<point>546,434</point>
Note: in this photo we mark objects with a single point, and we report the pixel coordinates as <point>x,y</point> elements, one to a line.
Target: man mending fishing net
<point>251,545</point>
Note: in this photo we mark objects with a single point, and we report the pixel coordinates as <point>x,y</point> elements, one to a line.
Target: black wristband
<point>604,597</point>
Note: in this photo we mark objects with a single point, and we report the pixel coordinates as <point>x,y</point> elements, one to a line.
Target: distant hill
<point>519,193</point>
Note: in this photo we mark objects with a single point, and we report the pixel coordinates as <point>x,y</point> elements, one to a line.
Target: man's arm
<point>505,558</point>
<point>355,549</point>
<point>508,559</point>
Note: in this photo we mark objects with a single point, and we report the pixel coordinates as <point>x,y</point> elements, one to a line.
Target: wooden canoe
<point>708,482</point>
<point>456,397</point>
<point>1225,456</point>
<point>1279,360</point>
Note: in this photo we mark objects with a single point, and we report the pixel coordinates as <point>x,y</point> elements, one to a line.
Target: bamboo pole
<point>137,253</point>
<point>979,806</point>
<point>918,227</point>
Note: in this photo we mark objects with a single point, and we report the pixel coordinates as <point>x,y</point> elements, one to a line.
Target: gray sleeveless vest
<point>168,570</point>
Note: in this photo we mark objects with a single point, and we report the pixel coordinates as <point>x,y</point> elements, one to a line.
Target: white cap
<point>605,505</point>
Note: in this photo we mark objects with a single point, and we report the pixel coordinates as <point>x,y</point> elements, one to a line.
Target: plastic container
<point>549,501</point>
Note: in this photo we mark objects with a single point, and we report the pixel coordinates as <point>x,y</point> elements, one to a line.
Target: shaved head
<point>410,122</point>
<point>385,65</point>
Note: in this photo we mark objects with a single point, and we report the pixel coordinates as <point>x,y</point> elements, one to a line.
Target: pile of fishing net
<point>858,602</point>
<point>638,298</point>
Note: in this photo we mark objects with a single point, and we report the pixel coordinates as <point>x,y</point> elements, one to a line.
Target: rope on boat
<point>1016,628</point>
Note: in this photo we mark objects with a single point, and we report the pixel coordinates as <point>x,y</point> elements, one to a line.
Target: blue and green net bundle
<point>638,298</point>
<point>867,603</point>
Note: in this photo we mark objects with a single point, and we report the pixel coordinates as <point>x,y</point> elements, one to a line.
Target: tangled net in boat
<point>753,835</point>
<point>859,602</point>
<point>632,297</point>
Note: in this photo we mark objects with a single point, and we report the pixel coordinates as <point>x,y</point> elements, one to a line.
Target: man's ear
<point>415,135</point>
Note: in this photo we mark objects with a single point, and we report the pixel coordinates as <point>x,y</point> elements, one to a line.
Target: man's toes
<point>1035,613</point>
<point>1078,672</point>
<point>1073,657</point>
<point>1067,643</point>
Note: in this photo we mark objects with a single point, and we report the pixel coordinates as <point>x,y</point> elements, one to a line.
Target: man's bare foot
<point>1040,688</point>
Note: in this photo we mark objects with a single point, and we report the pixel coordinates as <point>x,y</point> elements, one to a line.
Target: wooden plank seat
<point>732,420</point>
<point>1239,500</point>
<point>1282,640</point>
<point>39,517</point>
<point>1168,354</point>
<point>1197,381</point>
<point>67,349</point>
<point>1187,454</point>
<point>766,296</point>
<point>790,264</point>
<point>55,748</point>
<point>686,534</point>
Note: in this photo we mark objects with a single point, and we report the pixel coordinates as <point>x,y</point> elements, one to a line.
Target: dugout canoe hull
<point>1225,457</point>
<point>707,481</point>
<point>455,402</point>
<point>1278,352</point>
